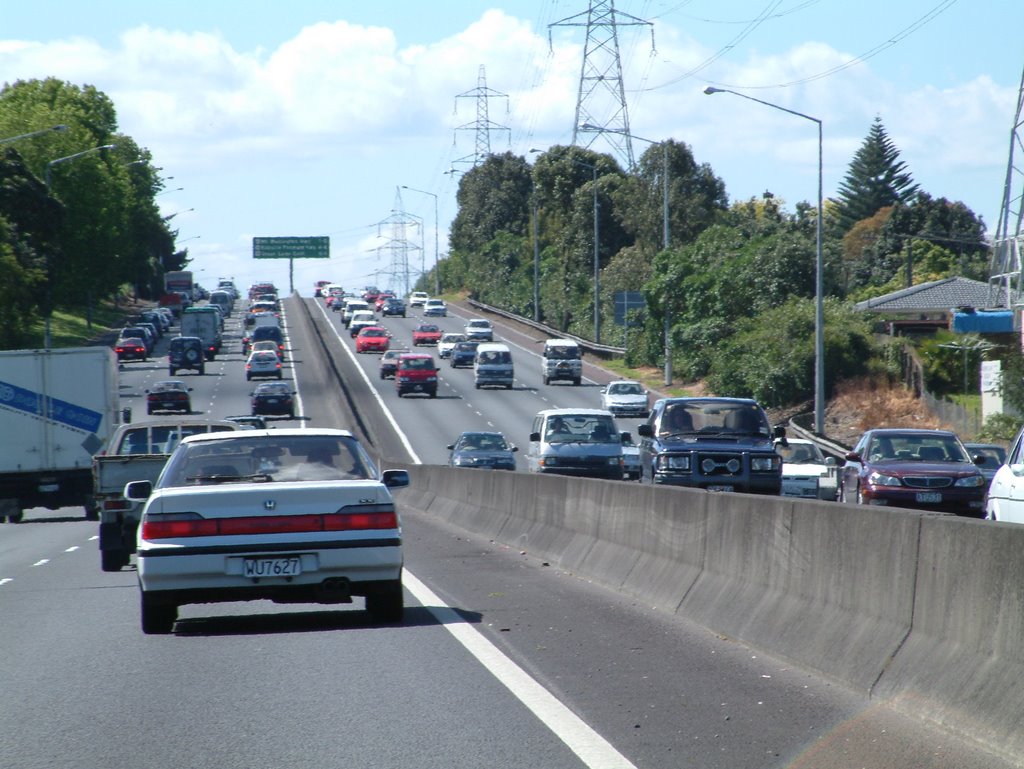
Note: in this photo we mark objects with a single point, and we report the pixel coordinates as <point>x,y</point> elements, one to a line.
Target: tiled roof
<point>934,296</point>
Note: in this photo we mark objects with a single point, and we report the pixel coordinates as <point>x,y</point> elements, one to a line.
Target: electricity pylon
<point>398,244</point>
<point>483,125</point>
<point>1005,271</point>
<point>601,99</point>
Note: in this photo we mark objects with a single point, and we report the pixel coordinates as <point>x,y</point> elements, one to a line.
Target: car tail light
<point>179,525</point>
<point>117,504</point>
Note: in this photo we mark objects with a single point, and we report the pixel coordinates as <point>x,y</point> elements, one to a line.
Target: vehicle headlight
<point>971,481</point>
<point>615,460</point>
<point>764,464</point>
<point>674,462</point>
<point>881,479</point>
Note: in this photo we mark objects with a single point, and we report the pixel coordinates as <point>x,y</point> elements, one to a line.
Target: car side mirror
<point>138,491</point>
<point>853,456</point>
<point>625,436</point>
<point>831,461</point>
<point>644,431</point>
<point>534,436</point>
<point>780,431</point>
<point>514,447</point>
<point>451,447</point>
<point>395,479</point>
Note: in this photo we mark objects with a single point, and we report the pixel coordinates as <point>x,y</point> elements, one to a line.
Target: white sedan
<point>806,471</point>
<point>293,516</point>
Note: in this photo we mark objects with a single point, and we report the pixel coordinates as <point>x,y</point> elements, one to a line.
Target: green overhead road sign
<point>315,247</point>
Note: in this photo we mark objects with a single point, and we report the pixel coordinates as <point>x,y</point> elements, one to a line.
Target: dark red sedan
<point>917,469</point>
<point>131,348</point>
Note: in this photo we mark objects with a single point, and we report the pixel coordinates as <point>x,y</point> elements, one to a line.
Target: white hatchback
<point>291,516</point>
<point>262,364</point>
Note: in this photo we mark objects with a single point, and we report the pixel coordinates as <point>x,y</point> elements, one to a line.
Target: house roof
<point>934,296</point>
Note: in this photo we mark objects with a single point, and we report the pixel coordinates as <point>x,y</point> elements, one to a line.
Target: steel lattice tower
<point>398,244</point>
<point>601,99</point>
<point>1006,272</point>
<point>482,126</point>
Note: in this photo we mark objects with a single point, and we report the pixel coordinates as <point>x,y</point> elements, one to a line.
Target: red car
<point>913,468</point>
<point>416,373</point>
<point>381,299</point>
<point>131,348</point>
<point>426,333</point>
<point>372,339</point>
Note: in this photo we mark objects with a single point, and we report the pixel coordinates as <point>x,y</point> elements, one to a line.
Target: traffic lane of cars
<point>460,406</point>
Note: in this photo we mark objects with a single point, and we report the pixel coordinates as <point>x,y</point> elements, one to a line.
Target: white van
<point>562,359</point>
<point>493,366</point>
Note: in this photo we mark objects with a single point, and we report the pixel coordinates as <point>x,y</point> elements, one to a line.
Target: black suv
<point>718,444</point>
<point>186,352</point>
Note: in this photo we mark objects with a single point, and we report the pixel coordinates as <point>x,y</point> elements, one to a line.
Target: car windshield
<point>428,329</point>
<point>625,388</point>
<point>273,388</point>
<point>161,439</point>
<point>563,352</point>
<point>581,428</point>
<point>800,453</point>
<point>915,447</point>
<point>466,347</point>
<point>482,442</point>
<point>266,459</point>
<point>417,364</point>
<point>713,417</point>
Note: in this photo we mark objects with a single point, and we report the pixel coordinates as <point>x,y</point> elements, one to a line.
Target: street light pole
<point>665,235</point>
<point>437,264</point>
<point>49,266</point>
<point>819,313</point>
<point>34,133</point>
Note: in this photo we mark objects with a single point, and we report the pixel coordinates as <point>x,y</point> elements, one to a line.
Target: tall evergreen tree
<point>876,178</point>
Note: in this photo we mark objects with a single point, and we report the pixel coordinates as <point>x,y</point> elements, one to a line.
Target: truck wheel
<point>387,604</point>
<point>112,560</point>
<point>92,512</point>
<point>157,618</point>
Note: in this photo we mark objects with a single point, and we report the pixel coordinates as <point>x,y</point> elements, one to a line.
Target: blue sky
<point>308,118</point>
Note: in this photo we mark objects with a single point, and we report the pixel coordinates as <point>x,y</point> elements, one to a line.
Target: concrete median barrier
<point>925,611</point>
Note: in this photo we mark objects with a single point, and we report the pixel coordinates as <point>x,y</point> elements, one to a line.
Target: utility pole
<point>601,97</point>
<point>398,244</point>
<point>482,126</point>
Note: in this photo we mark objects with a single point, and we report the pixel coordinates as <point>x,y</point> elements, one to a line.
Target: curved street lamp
<point>40,132</point>
<point>819,314</point>
<point>437,268</point>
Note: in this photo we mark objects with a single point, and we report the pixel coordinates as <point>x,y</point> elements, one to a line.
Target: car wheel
<point>157,618</point>
<point>112,560</point>
<point>149,410</point>
<point>546,380</point>
<point>202,370</point>
<point>279,375</point>
<point>433,393</point>
<point>248,377</point>
<point>172,371</point>
<point>476,385</point>
<point>291,414</point>
<point>387,604</point>
<point>576,381</point>
<point>191,356</point>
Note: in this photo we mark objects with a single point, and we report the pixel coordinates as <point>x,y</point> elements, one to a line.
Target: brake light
<point>180,525</point>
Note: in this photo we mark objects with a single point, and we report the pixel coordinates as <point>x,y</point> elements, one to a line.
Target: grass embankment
<point>77,329</point>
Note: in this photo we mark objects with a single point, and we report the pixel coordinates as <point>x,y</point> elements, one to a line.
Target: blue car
<point>717,444</point>
<point>463,354</point>
<point>487,450</point>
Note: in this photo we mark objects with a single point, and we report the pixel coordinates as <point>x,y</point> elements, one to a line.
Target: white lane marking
<point>71,549</point>
<point>591,748</point>
<point>5,580</point>
<point>373,390</point>
<point>43,562</point>
<point>94,537</point>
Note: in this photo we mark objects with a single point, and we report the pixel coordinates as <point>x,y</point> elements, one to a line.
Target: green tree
<point>875,179</point>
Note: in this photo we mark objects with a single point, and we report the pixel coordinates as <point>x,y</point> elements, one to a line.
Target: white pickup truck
<point>136,451</point>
